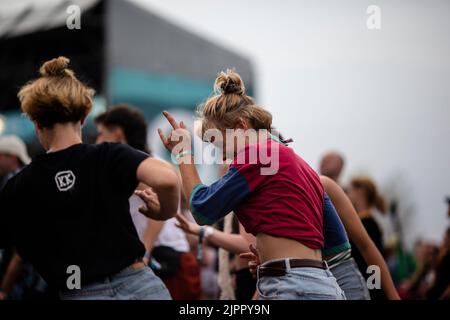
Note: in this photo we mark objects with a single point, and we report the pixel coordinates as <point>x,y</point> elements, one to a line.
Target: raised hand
<point>179,138</point>
<point>253,259</point>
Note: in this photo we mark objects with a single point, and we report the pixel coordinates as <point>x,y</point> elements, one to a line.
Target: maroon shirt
<point>287,202</point>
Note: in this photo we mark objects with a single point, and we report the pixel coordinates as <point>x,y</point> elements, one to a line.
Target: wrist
<point>147,255</point>
<point>183,154</point>
<point>208,232</point>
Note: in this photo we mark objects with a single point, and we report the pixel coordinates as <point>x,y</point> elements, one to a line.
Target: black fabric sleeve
<point>123,162</point>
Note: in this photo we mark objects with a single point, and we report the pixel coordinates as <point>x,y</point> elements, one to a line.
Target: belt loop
<point>288,265</point>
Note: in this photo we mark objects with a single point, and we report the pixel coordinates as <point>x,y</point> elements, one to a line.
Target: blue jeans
<point>351,280</point>
<point>129,284</point>
<point>300,284</point>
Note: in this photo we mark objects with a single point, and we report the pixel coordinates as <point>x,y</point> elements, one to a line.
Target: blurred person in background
<point>167,248</point>
<point>416,286</point>
<point>332,165</point>
<point>401,262</point>
<point>13,157</point>
<point>75,227</point>
<point>440,288</point>
<point>364,195</point>
<point>448,206</point>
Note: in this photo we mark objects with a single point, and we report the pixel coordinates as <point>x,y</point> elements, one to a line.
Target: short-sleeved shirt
<point>71,207</point>
<point>287,202</point>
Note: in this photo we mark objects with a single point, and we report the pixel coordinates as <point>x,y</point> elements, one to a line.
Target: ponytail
<point>373,198</point>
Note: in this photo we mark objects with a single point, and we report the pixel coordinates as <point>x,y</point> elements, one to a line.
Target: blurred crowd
<point>421,274</point>
<point>213,270</point>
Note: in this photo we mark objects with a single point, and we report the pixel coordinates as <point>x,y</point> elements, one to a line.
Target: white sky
<point>381,97</point>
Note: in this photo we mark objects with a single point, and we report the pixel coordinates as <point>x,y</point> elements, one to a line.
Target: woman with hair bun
<point>67,213</point>
<point>282,208</point>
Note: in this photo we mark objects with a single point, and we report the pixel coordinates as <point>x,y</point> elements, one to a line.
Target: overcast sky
<point>380,96</point>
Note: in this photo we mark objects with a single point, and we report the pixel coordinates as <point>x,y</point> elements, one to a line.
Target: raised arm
<point>358,234</point>
<point>208,204</point>
<point>179,143</point>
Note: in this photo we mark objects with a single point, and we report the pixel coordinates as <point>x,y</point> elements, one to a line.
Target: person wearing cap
<point>13,157</point>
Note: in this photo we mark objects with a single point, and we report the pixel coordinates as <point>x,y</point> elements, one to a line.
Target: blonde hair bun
<point>57,96</point>
<point>229,82</point>
<point>56,67</point>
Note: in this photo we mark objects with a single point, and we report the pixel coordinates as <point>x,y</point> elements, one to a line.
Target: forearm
<point>189,175</point>
<point>152,231</point>
<point>372,256</point>
<point>233,243</point>
<point>15,268</point>
<point>163,179</point>
<point>169,198</point>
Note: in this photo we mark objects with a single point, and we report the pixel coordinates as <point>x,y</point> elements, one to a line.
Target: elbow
<point>168,211</point>
<point>169,189</point>
<point>170,181</point>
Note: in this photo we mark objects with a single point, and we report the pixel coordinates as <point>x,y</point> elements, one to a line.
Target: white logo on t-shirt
<point>65,180</point>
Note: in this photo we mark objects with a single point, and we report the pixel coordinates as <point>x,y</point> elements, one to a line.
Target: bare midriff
<point>273,248</point>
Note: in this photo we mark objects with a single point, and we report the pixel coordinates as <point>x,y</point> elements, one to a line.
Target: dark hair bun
<point>229,82</point>
<point>56,67</point>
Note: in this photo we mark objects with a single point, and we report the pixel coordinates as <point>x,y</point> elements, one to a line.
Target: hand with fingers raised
<point>152,206</point>
<point>253,259</point>
<point>187,226</point>
<point>178,141</point>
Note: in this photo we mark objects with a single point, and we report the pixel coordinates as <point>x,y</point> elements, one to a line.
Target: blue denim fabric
<point>351,280</point>
<point>129,284</point>
<point>300,284</point>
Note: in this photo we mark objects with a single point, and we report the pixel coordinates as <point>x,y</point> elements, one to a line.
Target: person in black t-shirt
<point>67,213</point>
<point>440,288</point>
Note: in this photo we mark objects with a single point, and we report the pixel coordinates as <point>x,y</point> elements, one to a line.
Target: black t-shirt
<point>71,207</point>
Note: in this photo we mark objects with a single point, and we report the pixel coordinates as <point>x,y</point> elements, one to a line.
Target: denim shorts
<point>351,280</point>
<point>300,284</point>
<point>129,284</point>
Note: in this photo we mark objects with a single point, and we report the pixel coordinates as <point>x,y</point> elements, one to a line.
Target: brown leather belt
<point>278,268</point>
